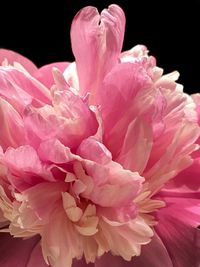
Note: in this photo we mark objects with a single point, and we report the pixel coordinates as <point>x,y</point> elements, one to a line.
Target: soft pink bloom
<point>99,160</point>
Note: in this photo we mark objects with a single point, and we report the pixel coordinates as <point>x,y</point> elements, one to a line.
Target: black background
<point>40,30</point>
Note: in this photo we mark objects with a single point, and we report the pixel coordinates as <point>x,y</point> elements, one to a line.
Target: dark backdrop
<point>40,30</point>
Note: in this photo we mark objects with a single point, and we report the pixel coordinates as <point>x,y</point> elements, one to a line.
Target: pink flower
<point>98,158</point>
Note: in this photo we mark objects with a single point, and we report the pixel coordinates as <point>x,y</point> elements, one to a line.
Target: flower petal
<point>93,150</point>
<point>36,258</point>
<point>137,145</point>
<point>126,240</point>
<point>176,157</point>
<point>123,97</point>
<point>70,121</point>
<point>153,255</point>
<point>113,185</point>
<point>44,74</point>
<point>12,126</point>
<point>20,253</point>
<point>21,89</point>
<point>186,184</point>
<point>25,167</point>
<point>54,151</point>
<point>177,227</point>
<point>60,243</point>
<point>99,37</point>
<point>13,57</point>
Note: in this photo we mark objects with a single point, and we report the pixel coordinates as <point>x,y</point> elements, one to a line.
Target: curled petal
<point>25,167</point>
<point>13,57</point>
<point>100,36</point>
<point>95,151</point>
<point>21,89</point>
<point>113,185</point>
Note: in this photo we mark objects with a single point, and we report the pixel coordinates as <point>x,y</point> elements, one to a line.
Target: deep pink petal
<point>99,37</point>
<point>154,254</point>
<point>44,74</point>
<point>82,263</point>
<point>36,258</point>
<point>186,184</point>
<point>12,57</point>
<point>20,253</point>
<point>177,227</point>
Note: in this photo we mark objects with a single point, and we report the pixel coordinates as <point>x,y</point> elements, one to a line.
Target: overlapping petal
<point>9,57</point>
<point>100,36</point>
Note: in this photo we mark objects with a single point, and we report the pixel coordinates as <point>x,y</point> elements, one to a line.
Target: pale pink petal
<point>21,89</point>
<point>124,239</point>
<point>100,37</point>
<point>176,157</point>
<point>3,220</point>
<point>113,185</point>
<point>13,57</point>
<point>59,241</point>
<point>12,126</point>
<point>12,91</point>
<point>134,53</point>
<point>41,124</point>
<point>92,149</point>
<point>54,151</point>
<point>20,253</point>
<point>39,196</point>
<point>153,255</point>
<point>172,114</point>
<point>44,74</point>
<point>196,98</point>
<point>139,138</point>
<point>71,76</point>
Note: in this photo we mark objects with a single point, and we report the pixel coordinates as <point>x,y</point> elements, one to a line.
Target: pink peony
<point>99,160</point>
